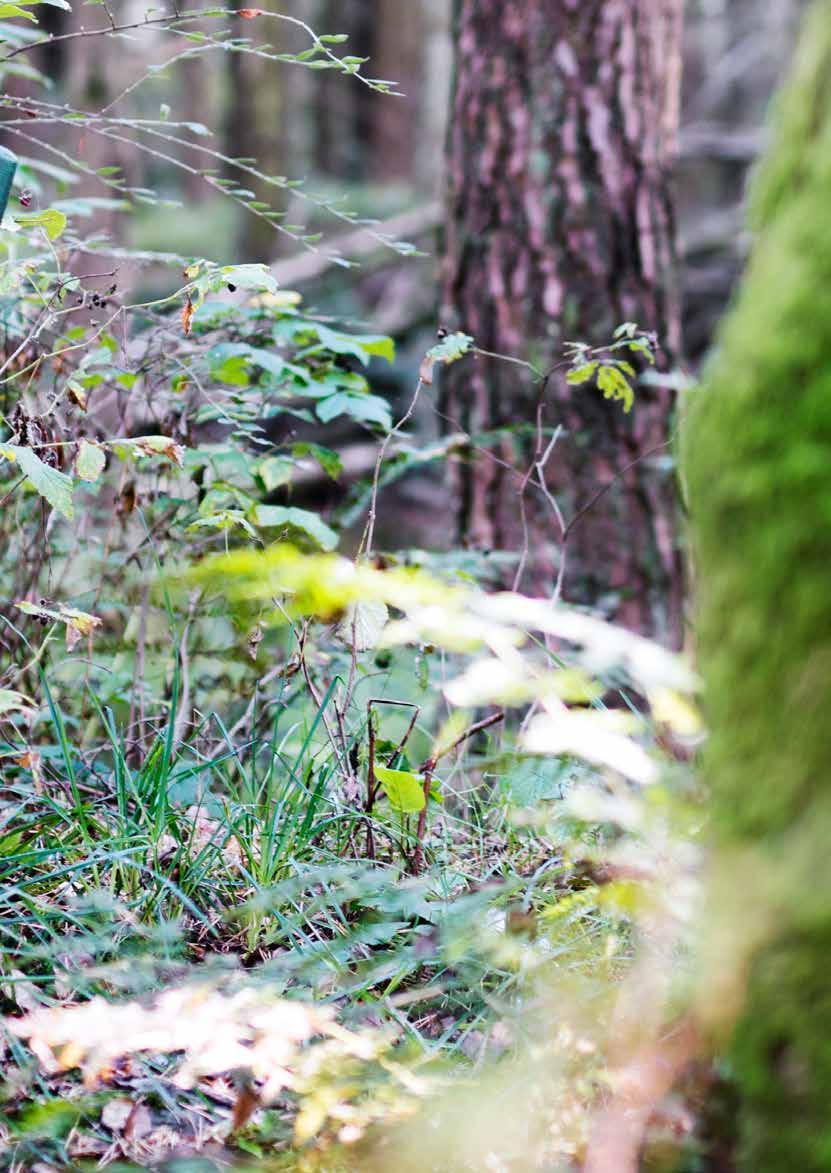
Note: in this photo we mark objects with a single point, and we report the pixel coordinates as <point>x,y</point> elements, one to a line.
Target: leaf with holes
<point>78,623</point>
<point>151,446</point>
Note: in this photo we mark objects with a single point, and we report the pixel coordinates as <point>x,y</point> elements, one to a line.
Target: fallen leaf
<point>116,1113</point>
<point>139,1123</point>
<point>246,1104</point>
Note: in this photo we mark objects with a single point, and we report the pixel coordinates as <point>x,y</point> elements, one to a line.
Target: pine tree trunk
<point>757,447</point>
<point>560,227</point>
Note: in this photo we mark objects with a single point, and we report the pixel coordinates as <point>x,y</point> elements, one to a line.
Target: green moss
<point>758,464</point>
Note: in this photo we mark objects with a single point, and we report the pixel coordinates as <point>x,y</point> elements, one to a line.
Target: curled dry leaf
<point>76,394</point>
<point>255,638</point>
<point>188,310</point>
<point>32,761</point>
<point>425,371</point>
<point>150,446</point>
<point>78,623</point>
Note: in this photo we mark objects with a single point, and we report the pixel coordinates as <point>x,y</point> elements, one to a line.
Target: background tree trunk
<point>757,456</point>
<point>560,227</point>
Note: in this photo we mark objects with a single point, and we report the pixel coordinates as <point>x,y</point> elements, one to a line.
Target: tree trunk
<point>252,130</point>
<point>757,457</point>
<point>560,227</point>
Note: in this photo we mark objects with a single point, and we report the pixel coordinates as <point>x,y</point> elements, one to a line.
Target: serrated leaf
<point>90,461</point>
<point>404,790</point>
<point>53,485</point>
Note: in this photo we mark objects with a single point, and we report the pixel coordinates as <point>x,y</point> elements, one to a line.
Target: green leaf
<point>368,409</point>
<point>225,519</point>
<point>53,485</point>
<point>90,461</point>
<point>404,790</point>
<point>451,348</point>
<point>283,517</point>
<point>328,460</point>
<point>256,277</point>
<point>581,374</point>
<point>51,220</point>
<point>9,11</point>
<point>614,385</point>
<point>274,472</point>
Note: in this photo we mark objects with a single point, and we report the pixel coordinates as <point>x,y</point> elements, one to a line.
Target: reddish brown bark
<point>560,228</point>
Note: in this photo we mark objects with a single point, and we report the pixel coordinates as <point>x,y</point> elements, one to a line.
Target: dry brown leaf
<point>139,1123</point>
<point>116,1113</point>
<point>32,761</point>
<point>77,395</point>
<point>81,1144</point>
<point>425,371</point>
<point>188,310</point>
<point>160,446</point>
<point>245,1106</point>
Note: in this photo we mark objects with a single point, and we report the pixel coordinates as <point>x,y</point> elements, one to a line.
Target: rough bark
<point>560,227</point>
<point>757,449</point>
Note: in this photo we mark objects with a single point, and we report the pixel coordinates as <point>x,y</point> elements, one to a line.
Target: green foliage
<point>759,486</point>
<point>264,774</point>
<point>613,375</point>
<point>404,790</point>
